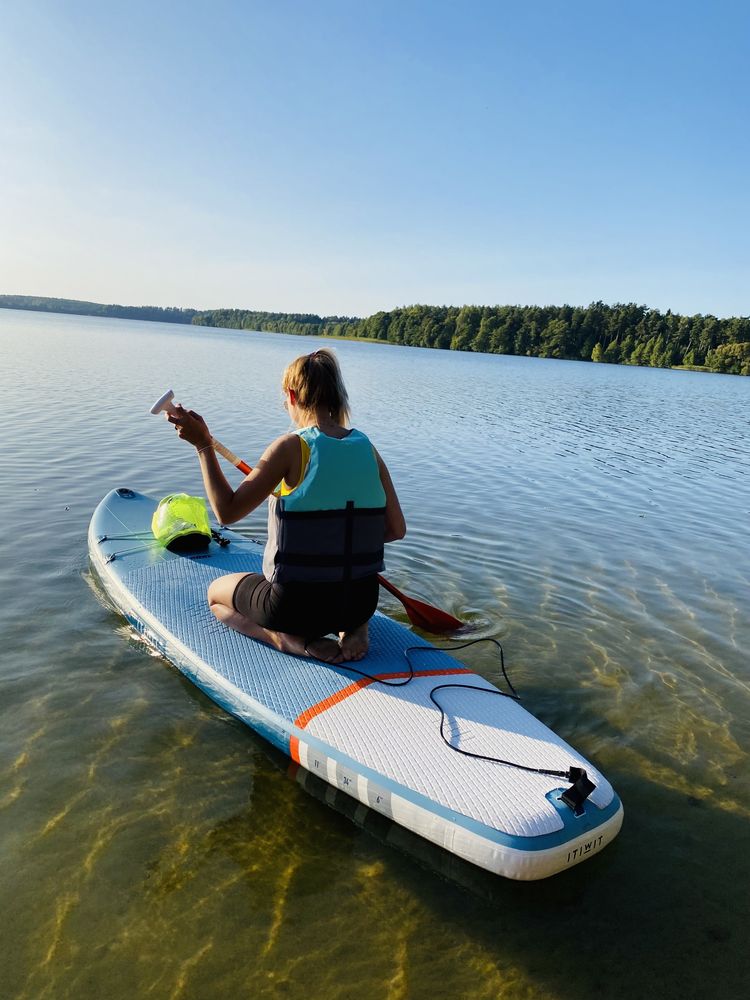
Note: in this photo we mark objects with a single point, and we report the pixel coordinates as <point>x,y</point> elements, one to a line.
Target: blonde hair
<point>317,383</point>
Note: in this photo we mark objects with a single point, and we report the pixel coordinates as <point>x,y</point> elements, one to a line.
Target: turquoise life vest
<point>331,527</point>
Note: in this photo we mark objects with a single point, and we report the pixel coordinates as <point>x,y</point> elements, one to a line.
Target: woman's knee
<point>221,590</point>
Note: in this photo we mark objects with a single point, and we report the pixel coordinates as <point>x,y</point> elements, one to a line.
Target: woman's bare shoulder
<point>285,444</point>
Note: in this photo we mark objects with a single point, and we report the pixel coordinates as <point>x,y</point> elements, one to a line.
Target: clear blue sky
<point>346,156</point>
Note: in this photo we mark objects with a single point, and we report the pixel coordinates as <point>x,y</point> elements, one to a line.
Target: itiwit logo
<point>583,849</point>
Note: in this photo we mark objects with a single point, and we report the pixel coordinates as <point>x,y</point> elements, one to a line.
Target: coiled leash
<point>581,785</point>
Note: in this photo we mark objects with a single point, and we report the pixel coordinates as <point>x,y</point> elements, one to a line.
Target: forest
<point>615,334</point>
<point>40,303</point>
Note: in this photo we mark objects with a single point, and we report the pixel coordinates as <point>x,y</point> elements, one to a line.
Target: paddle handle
<point>165,403</point>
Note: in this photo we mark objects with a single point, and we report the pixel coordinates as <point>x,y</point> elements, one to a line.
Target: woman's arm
<point>395,523</point>
<point>276,463</point>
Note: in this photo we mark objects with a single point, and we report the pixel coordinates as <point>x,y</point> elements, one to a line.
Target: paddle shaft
<point>230,456</point>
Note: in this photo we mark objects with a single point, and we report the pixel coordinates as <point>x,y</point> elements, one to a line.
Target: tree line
<point>617,334</point>
<point>301,323</point>
<point>79,307</point>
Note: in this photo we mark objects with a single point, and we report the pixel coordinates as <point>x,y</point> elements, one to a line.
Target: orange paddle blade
<point>423,615</point>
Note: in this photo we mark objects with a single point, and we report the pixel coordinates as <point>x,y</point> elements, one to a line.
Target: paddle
<point>423,615</point>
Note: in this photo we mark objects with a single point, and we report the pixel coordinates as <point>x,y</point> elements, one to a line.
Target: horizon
<point>341,162</point>
<point>340,315</point>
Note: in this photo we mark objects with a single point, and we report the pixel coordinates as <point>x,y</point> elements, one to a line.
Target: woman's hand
<point>190,426</point>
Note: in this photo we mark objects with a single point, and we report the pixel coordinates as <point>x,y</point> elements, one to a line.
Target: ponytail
<point>317,383</point>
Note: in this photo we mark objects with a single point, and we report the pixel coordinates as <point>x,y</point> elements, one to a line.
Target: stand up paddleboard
<point>379,743</point>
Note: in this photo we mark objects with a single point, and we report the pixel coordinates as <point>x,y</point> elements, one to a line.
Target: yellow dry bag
<point>180,523</point>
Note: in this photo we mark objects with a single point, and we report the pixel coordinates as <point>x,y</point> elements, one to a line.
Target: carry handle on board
<point>423,615</point>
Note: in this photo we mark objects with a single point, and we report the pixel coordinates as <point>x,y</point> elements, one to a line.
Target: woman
<point>332,506</point>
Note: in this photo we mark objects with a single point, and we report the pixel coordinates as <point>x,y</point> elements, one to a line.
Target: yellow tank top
<point>284,489</point>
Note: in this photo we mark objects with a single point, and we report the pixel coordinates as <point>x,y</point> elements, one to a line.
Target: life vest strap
<point>353,545</point>
<point>340,512</point>
<point>301,559</point>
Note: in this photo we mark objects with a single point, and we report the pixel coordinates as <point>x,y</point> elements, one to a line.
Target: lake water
<point>593,518</point>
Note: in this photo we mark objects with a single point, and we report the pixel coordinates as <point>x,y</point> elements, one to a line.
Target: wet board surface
<point>380,744</point>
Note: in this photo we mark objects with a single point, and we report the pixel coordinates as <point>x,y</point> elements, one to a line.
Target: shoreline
<point>187,317</point>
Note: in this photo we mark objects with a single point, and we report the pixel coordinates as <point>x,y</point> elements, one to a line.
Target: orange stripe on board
<point>332,700</point>
<point>302,720</point>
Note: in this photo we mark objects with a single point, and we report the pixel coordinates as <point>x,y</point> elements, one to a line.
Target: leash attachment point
<point>575,796</point>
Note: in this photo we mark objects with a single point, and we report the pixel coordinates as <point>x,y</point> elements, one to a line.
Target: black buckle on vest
<point>579,791</point>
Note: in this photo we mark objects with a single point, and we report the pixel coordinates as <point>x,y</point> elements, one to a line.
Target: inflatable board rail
<point>380,744</point>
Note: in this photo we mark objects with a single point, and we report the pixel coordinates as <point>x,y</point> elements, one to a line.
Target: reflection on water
<point>590,517</point>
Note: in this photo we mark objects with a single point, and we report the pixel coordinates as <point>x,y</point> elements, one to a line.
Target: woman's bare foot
<point>354,644</point>
<point>327,650</point>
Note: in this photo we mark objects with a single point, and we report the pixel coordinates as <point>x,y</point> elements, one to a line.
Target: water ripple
<point>589,516</point>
